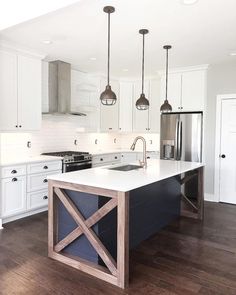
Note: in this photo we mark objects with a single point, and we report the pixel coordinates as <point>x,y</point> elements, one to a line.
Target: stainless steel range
<point>73,161</point>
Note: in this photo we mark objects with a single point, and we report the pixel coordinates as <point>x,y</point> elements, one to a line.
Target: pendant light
<point>166,107</point>
<point>108,97</point>
<point>142,103</point>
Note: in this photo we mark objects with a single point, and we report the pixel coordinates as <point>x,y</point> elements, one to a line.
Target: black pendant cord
<point>108,51</point>
<point>167,65</point>
<point>143,67</point>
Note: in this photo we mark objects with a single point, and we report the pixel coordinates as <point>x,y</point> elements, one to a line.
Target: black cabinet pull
<point>223,156</point>
<point>115,157</point>
<point>20,126</point>
<point>45,180</point>
<point>16,126</point>
<point>110,128</point>
<point>101,159</point>
<point>14,171</point>
<point>45,197</point>
<point>45,167</point>
<point>14,179</point>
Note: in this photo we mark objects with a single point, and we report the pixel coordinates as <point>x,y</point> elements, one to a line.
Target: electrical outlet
<point>28,144</point>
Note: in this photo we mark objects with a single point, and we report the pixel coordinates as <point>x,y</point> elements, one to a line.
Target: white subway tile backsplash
<point>59,133</point>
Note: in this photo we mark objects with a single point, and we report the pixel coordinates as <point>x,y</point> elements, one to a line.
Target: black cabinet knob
<point>20,126</point>
<point>45,167</point>
<point>45,180</point>
<point>45,197</point>
<point>16,126</point>
<point>13,172</point>
<point>14,179</point>
<point>101,159</point>
<point>115,157</point>
<point>223,156</point>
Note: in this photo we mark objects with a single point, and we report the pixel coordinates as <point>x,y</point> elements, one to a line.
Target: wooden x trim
<point>91,221</point>
<point>91,236</point>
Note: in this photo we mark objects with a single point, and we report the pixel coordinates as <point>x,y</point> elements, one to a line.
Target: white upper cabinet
<point>29,93</point>
<point>174,90</point>
<point>154,109</point>
<point>140,118</point>
<point>186,90</point>
<point>193,90</point>
<point>20,92</point>
<point>8,91</point>
<point>126,106</point>
<point>110,114</point>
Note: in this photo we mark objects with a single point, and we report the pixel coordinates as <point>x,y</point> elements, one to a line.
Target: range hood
<point>59,84</point>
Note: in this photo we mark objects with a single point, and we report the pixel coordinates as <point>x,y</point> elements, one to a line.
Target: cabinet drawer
<point>12,171</point>
<point>44,167</point>
<point>38,181</point>
<point>37,199</point>
<point>115,157</point>
<point>102,159</point>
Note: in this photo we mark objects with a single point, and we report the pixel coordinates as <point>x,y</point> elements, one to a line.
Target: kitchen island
<point>97,215</point>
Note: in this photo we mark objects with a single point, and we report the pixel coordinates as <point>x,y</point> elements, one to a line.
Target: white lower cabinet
<point>13,191</point>
<point>128,157</point>
<point>37,199</point>
<point>23,192</point>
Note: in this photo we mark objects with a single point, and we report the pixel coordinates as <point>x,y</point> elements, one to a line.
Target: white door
<point>174,91</point>
<point>110,114</point>
<point>8,91</point>
<point>228,155</point>
<point>29,93</point>
<point>140,118</point>
<point>193,90</point>
<point>13,191</point>
<point>126,107</point>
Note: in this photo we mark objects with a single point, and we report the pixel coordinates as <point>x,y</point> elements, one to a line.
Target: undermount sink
<point>126,167</point>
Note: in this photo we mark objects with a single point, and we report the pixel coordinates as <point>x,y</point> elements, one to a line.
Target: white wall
<point>59,133</point>
<point>221,80</point>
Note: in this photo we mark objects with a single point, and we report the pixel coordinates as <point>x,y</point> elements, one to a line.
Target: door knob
<point>222,156</point>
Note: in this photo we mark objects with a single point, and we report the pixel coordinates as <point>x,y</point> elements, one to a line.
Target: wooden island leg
<point>123,240</point>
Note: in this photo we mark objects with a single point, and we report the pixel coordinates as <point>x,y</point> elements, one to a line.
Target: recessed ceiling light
<point>47,42</point>
<point>233,53</point>
<point>93,58</point>
<point>125,70</point>
<point>188,2</point>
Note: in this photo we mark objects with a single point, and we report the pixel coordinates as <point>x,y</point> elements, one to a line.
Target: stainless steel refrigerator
<point>181,136</point>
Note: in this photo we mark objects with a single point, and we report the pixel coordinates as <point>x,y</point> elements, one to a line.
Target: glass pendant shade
<point>108,97</point>
<point>166,107</point>
<point>142,103</point>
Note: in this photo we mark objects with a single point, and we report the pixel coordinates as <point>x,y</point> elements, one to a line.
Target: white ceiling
<point>201,33</point>
<point>13,12</point>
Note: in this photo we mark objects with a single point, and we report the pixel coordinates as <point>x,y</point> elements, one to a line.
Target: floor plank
<point>187,257</point>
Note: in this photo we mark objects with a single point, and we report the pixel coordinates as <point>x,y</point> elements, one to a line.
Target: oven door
<point>76,166</point>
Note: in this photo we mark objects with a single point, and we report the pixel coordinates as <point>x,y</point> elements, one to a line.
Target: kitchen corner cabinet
<point>186,90</point>
<point>109,115</point>
<point>20,92</point>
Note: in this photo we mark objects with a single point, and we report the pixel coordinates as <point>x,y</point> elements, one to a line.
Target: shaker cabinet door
<point>29,93</point>
<point>110,114</point>
<point>13,195</point>
<point>8,91</point>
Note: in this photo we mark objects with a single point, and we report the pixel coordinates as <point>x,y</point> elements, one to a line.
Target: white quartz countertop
<point>118,151</point>
<point>126,181</point>
<point>28,160</point>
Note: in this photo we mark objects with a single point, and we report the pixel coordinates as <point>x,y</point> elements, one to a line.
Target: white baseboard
<point>25,214</point>
<point>210,198</point>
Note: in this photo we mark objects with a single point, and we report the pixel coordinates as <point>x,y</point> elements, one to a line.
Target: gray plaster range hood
<point>59,84</point>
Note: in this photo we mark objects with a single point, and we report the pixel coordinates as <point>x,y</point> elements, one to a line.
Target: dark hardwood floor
<point>187,257</point>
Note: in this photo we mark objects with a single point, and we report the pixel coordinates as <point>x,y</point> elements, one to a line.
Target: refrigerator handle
<point>177,140</point>
<point>180,140</point>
